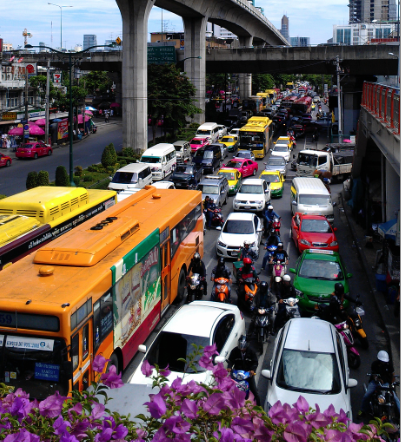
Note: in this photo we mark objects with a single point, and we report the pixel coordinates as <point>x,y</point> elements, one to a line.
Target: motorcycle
<point>250,289</point>
<point>382,403</point>
<point>262,323</point>
<point>276,226</point>
<point>195,288</point>
<point>355,322</point>
<point>217,217</point>
<point>94,129</point>
<point>278,271</point>
<point>221,290</point>
<point>240,378</point>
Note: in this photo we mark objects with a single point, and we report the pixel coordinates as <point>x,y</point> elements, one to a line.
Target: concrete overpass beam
<point>135,16</point>
<point>245,80</point>
<point>195,46</point>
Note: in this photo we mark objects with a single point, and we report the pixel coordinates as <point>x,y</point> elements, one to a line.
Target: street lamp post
<point>61,22</point>
<point>187,58</point>
<point>71,117</point>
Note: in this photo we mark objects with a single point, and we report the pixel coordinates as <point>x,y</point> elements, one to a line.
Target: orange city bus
<point>99,289</point>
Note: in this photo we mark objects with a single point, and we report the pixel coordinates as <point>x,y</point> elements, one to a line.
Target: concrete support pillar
<point>195,46</point>
<point>392,191</point>
<point>135,16</point>
<point>245,80</point>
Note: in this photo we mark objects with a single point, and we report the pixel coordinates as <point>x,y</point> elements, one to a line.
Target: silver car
<point>216,187</point>
<point>183,151</point>
<point>277,163</point>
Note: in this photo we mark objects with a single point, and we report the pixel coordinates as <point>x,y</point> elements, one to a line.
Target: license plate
<point>247,207</point>
<point>234,253</point>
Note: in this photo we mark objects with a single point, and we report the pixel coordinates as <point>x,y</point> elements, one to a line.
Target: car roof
<point>244,216</point>
<point>180,143</point>
<point>280,145</point>
<point>227,169</point>
<point>308,334</point>
<point>253,181</point>
<point>270,172</point>
<point>212,179</point>
<point>133,167</point>
<point>195,319</point>
<point>239,160</point>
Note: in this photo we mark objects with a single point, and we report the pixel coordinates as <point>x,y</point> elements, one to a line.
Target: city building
<point>89,40</point>
<point>365,11</point>
<point>285,27</point>
<point>361,33</point>
<point>300,41</point>
<point>7,47</point>
<point>177,39</point>
<point>42,46</point>
<point>217,31</point>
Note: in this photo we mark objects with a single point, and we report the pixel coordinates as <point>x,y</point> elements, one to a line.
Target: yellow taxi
<point>230,141</point>
<point>285,140</point>
<point>276,180</point>
<point>234,179</point>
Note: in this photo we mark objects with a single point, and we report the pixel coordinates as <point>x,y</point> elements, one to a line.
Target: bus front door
<point>81,356</point>
<point>166,276</point>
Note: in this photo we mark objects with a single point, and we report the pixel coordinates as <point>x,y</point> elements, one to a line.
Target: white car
<point>252,196</point>
<point>222,130</point>
<point>281,150</point>
<point>238,228</point>
<point>309,359</point>
<point>234,131</point>
<point>201,323</point>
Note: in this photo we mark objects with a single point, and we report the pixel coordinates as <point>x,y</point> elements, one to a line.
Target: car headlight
<point>305,242</point>
<point>334,243</point>
<point>259,202</point>
<point>236,204</point>
<point>221,244</point>
<point>232,187</point>
<point>299,293</point>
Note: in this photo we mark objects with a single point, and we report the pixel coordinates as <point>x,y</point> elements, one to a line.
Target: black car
<point>208,158</point>
<point>186,176</point>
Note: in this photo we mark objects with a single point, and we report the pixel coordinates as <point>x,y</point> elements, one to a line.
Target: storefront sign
<point>29,343</point>
<point>47,372</point>
<point>62,130</point>
<point>9,116</point>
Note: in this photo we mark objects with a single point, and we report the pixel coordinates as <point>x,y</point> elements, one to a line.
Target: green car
<point>316,273</point>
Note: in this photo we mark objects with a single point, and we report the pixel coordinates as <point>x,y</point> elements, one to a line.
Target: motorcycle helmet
<point>277,279</point>
<point>247,261</point>
<point>247,242</point>
<point>339,289</point>
<point>383,356</point>
<point>286,278</point>
<point>264,286</point>
<point>221,262</point>
<point>280,245</point>
<point>270,207</point>
<point>242,343</point>
<point>197,257</point>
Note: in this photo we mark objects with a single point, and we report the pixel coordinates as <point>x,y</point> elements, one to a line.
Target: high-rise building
<point>42,46</point>
<point>89,40</point>
<point>360,34</point>
<point>366,11</point>
<point>285,27</point>
<point>217,31</point>
<point>300,41</point>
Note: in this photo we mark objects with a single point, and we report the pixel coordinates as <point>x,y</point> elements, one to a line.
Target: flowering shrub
<point>180,411</point>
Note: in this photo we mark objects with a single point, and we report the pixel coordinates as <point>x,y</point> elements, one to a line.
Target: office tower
<point>89,40</point>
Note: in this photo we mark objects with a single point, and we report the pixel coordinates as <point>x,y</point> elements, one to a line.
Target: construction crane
<point>26,34</point>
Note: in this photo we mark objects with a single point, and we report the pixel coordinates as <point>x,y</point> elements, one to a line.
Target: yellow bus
<point>290,85</point>
<point>99,289</point>
<point>30,219</point>
<point>256,136</point>
<point>264,97</point>
<point>272,94</point>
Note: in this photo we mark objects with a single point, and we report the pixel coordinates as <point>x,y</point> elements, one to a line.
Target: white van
<point>161,159</point>
<point>208,130</point>
<point>309,195</point>
<point>131,176</point>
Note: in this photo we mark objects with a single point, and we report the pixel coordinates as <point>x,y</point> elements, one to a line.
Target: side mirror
<point>223,165</point>
<point>266,374</point>
<point>296,227</point>
<point>292,270</point>
<point>352,383</point>
<point>67,369</point>
<point>335,229</point>
<point>142,348</point>
<point>349,275</point>
<point>219,359</point>
<point>294,203</point>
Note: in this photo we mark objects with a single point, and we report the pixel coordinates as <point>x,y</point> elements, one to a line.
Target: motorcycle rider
<point>277,255</point>
<point>246,271</point>
<point>221,271</point>
<point>336,305</point>
<point>244,358</point>
<point>247,252</point>
<point>263,300</point>
<point>269,214</point>
<point>285,290</point>
<point>198,266</point>
<point>384,368</point>
<point>209,210</point>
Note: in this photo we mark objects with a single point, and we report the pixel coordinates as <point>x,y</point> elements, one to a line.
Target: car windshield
<point>188,170</point>
<point>315,226</point>
<point>168,348</point>
<point>234,164</point>
<point>306,159</point>
<point>125,178</point>
<point>199,153</point>
<point>276,162</point>
<point>280,149</point>
<point>271,178</point>
<point>27,146</point>
<point>251,188</point>
<point>197,142</point>
<point>228,139</point>
<point>209,189</point>
<point>314,200</point>
<point>178,148</point>
<point>321,269</point>
<point>150,160</point>
<point>244,155</point>
<point>309,372</point>
<point>240,227</point>
<point>228,175</point>
<point>208,154</point>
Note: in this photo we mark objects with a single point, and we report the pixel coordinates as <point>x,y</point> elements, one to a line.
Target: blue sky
<point>314,19</point>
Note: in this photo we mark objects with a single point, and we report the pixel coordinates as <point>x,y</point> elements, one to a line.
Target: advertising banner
<point>136,288</point>
<point>62,130</point>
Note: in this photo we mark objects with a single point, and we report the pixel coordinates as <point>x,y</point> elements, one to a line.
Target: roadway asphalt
<point>358,285</point>
<point>86,152</point>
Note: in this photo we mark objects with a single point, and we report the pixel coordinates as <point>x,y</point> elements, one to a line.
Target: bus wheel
<point>182,287</point>
<point>113,361</point>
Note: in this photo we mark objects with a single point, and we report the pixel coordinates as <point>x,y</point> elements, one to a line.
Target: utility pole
<point>340,123</point>
<point>26,94</point>
<point>47,102</point>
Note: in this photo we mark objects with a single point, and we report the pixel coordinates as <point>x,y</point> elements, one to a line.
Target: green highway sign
<point>161,54</point>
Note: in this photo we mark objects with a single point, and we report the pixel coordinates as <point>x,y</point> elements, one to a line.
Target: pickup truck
<point>339,163</point>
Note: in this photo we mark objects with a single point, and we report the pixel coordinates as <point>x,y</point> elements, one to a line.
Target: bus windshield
<point>150,160</point>
<point>251,138</point>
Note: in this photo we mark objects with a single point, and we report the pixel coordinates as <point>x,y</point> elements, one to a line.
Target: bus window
<point>85,342</point>
<point>75,351</point>
<point>102,319</point>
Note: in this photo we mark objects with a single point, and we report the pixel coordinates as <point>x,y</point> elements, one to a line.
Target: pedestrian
<point>111,112</point>
<point>106,116</point>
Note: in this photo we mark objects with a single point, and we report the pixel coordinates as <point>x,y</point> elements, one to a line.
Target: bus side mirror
<point>67,369</point>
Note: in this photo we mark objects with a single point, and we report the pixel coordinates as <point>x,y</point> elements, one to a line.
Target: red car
<point>313,232</point>
<point>244,166</point>
<point>34,150</point>
<point>5,160</point>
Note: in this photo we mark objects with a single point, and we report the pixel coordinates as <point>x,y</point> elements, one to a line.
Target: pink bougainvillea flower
<point>165,371</point>
<point>98,411</point>
<point>189,408</point>
<point>157,406</point>
<point>146,368</point>
<point>214,404</point>
<point>296,432</point>
<point>301,405</point>
<point>98,363</point>
<point>22,436</point>
<point>51,406</point>
<point>111,379</point>
<point>176,425</point>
